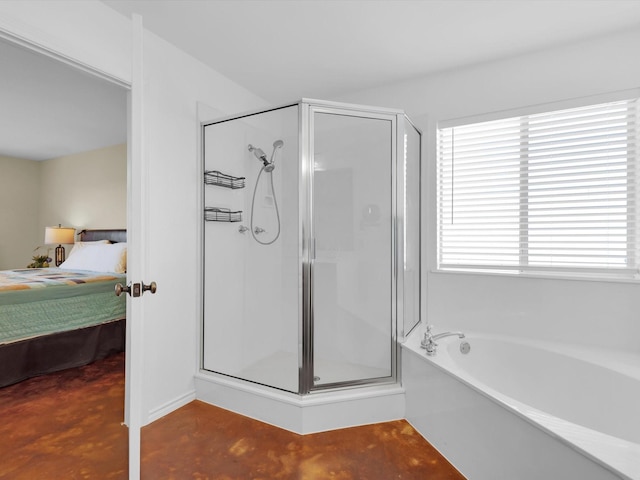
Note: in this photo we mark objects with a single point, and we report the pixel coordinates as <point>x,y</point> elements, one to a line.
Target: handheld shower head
<point>276,145</point>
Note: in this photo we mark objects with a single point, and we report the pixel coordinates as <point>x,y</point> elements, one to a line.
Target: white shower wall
<point>251,290</point>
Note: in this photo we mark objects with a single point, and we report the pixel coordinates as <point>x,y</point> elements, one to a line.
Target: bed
<point>52,319</point>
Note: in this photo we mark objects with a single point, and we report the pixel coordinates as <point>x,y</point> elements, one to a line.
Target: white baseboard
<point>170,406</point>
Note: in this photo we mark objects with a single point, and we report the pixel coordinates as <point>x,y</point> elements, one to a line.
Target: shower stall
<point>311,245</point>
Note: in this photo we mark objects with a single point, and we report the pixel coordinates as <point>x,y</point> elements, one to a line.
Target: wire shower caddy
<point>214,177</point>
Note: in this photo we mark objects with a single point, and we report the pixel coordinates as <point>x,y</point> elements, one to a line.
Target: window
<point>552,192</point>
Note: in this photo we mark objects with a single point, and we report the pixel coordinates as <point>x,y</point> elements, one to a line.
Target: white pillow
<point>102,257</point>
<point>78,245</point>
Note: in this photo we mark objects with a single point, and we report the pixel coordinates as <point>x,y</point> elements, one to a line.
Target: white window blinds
<point>553,192</point>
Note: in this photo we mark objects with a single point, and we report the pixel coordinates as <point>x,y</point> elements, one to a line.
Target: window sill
<point>542,276</point>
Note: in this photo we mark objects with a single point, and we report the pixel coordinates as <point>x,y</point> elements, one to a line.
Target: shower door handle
<point>313,249</point>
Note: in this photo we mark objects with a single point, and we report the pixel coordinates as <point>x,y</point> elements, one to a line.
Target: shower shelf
<point>214,177</point>
<point>216,214</point>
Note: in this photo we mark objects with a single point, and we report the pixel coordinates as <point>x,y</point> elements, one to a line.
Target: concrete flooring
<point>67,425</point>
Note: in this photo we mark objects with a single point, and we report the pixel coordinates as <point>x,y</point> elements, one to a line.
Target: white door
<point>135,262</point>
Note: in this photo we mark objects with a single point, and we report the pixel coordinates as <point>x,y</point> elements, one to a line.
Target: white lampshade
<point>59,235</point>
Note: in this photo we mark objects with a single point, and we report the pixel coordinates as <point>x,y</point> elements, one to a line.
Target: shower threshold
<point>303,414</point>
<point>280,370</point>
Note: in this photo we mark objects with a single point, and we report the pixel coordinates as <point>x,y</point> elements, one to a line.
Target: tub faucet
<point>429,340</point>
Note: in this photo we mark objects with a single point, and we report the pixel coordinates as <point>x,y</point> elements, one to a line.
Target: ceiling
<point>283,50</point>
<point>49,109</point>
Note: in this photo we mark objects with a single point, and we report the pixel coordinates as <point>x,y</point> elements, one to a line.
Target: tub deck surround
<point>583,399</point>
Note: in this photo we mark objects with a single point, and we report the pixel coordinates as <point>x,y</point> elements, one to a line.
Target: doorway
<point>63,148</point>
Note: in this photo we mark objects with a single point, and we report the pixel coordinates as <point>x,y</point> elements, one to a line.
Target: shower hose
<point>253,203</point>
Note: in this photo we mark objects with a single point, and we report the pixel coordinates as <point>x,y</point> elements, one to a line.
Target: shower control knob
<point>258,230</point>
<point>242,229</point>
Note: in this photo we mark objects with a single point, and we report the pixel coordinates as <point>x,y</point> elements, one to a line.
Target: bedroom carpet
<point>67,426</point>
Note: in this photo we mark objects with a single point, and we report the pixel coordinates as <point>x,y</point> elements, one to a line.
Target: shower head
<point>276,145</point>
<point>259,153</point>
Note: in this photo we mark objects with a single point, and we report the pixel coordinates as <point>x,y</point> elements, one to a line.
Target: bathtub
<point>544,410</point>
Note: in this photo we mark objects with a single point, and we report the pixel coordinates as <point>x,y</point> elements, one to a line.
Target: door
<point>352,281</point>
<point>136,209</point>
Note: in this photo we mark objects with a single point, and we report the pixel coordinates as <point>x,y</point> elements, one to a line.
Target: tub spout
<point>447,334</point>
<point>429,340</point>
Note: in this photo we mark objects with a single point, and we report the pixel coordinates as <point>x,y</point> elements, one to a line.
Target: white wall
<point>85,190</point>
<point>86,32</point>
<point>593,313</point>
<point>174,84</point>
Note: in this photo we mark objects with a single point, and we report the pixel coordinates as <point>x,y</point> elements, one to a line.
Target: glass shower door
<point>353,263</point>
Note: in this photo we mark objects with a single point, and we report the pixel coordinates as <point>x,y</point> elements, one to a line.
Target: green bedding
<point>37,302</point>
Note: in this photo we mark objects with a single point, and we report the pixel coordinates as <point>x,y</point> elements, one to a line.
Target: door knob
<point>135,290</point>
<point>152,287</point>
<point>120,289</point>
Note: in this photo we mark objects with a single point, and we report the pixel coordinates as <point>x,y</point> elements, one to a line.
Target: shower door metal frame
<point>305,345</point>
<point>308,108</point>
<point>404,125</point>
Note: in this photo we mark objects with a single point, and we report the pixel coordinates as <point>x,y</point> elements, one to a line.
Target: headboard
<point>115,235</point>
